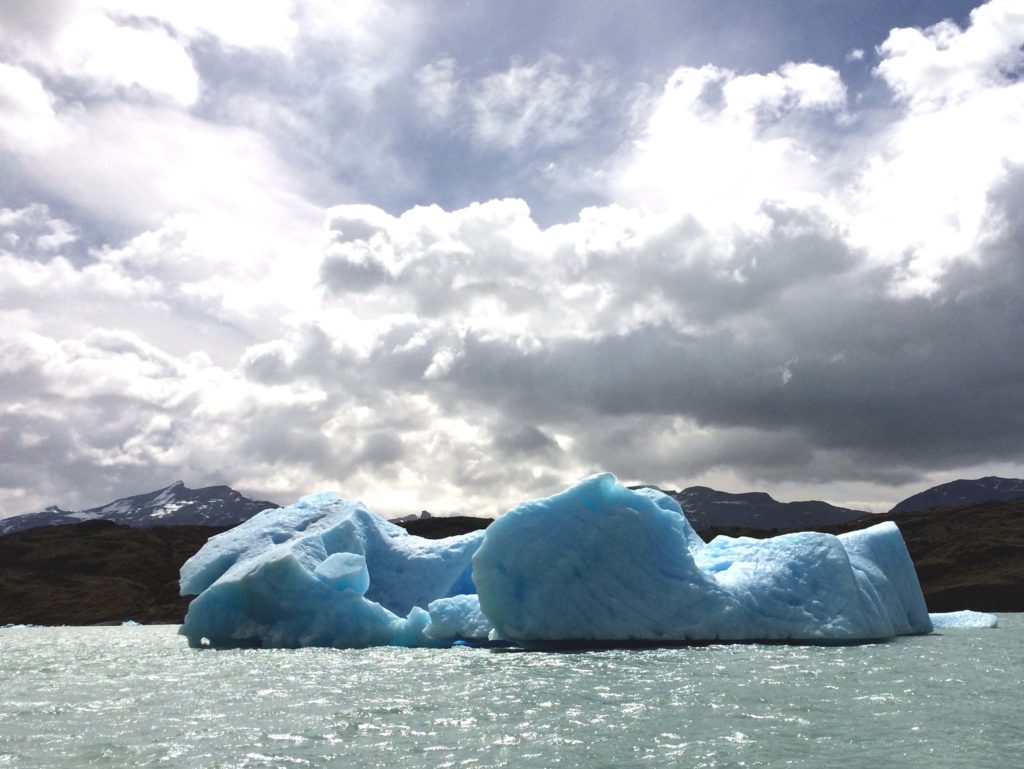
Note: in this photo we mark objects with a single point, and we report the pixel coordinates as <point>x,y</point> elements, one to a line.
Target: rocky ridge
<point>964,492</point>
<point>706,507</point>
<point>174,505</point>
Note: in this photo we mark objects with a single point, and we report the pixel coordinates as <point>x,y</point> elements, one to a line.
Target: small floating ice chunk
<point>963,620</point>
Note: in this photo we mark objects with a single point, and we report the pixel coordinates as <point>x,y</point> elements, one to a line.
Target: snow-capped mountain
<point>175,505</point>
<point>706,508</point>
<point>964,492</point>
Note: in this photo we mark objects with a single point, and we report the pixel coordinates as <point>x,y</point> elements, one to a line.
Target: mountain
<point>421,516</point>
<point>708,508</point>
<point>964,492</point>
<point>176,505</point>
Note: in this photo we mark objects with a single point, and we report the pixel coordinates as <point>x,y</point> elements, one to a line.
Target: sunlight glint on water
<point>130,697</point>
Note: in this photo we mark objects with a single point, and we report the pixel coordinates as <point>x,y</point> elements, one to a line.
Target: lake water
<point>139,697</point>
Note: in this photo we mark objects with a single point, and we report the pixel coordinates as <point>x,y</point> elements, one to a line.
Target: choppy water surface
<point>139,697</point>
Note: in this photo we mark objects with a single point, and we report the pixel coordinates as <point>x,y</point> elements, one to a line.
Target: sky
<point>448,256</point>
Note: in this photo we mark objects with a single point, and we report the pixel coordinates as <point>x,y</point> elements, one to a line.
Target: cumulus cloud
<point>717,144</point>
<point>32,230</point>
<point>929,67</point>
<point>925,197</point>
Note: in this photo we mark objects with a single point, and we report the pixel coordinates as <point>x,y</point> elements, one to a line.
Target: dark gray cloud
<point>343,275</point>
<point>524,439</point>
<point>381,448</point>
<point>706,284</point>
<point>923,381</point>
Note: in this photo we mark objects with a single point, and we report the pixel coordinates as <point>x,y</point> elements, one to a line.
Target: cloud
<point>89,160</point>
<point>540,103</point>
<point>32,230</point>
<point>716,144</point>
<point>104,53</point>
<point>253,281</point>
<point>525,439</point>
<point>267,25</point>
<point>924,197</point>
<point>930,67</point>
<point>437,88</point>
<point>482,259</point>
<point>29,119</point>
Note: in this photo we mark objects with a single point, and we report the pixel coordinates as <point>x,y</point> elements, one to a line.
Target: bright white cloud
<point>924,197</point>
<point>268,24</point>
<point>805,86</point>
<point>106,55</point>
<point>929,67</point>
<point>112,57</point>
<point>26,108</point>
<point>141,165</point>
<point>717,144</point>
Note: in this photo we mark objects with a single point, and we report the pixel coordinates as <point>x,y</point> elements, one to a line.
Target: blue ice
<point>322,572</point>
<point>596,563</point>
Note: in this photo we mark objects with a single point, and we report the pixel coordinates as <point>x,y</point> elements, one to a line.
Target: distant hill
<point>708,508</point>
<point>967,557</point>
<point>97,572</point>
<point>420,516</point>
<point>964,492</point>
<point>175,505</point>
<point>440,527</point>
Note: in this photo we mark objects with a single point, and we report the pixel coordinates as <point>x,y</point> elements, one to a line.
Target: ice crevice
<point>596,563</point>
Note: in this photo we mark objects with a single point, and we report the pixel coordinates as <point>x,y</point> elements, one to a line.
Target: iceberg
<point>596,563</point>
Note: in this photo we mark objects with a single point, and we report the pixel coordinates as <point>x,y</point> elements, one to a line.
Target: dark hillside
<point>439,528</point>
<point>966,557</point>
<point>95,572</point>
